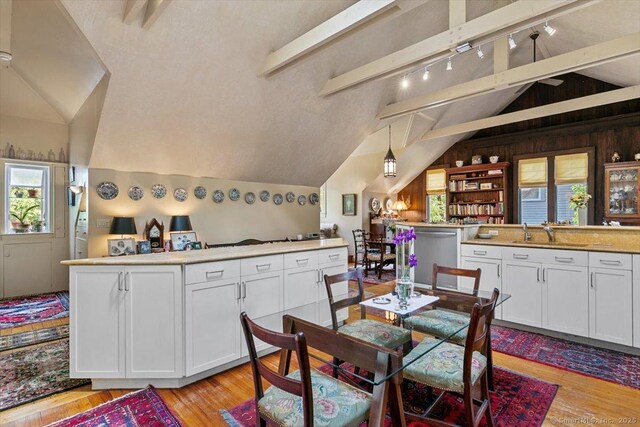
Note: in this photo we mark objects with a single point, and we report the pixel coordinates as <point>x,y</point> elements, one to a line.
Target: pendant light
<point>389,161</point>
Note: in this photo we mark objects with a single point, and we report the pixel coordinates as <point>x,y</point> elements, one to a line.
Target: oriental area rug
<point>608,365</point>
<point>141,408</point>
<point>519,401</point>
<point>35,372</point>
<point>20,311</point>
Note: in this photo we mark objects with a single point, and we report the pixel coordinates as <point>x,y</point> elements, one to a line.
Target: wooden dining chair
<point>456,369</point>
<point>376,254</point>
<point>359,237</point>
<point>305,397</point>
<point>379,333</point>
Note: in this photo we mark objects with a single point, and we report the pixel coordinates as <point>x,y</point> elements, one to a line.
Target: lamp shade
<point>123,225</point>
<point>180,223</point>
<point>400,205</point>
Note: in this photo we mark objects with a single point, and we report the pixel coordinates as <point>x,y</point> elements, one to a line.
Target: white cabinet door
<point>97,322</point>
<point>300,286</point>
<point>261,296</point>
<point>154,321</point>
<point>565,299</point>
<point>26,268</point>
<point>212,324</point>
<point>489,278</point>
<point>636,301</point>
<point>610,305</point>
<point>521,280</point>
<point>339,290</point>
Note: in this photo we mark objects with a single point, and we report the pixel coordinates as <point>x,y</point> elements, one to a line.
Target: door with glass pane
<point>622,191</point>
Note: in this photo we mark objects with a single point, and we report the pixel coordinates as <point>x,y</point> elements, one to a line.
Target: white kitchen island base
<point>173,319</point>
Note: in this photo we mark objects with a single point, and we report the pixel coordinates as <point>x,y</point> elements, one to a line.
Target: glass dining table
<point>383,380</point>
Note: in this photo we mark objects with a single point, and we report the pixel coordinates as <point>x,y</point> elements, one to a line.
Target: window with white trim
<point>27,204</point>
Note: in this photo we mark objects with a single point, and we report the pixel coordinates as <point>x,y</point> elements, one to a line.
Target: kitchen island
<point>171,319</point>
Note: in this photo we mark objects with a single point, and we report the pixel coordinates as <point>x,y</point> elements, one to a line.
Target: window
<point>26,198</point>
<point>323,201</point>
<point>436,195</point>
<point>546,184</point>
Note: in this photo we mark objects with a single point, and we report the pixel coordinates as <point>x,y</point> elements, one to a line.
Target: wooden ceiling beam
<point>514,17</point>
<point>153,12</point>
<point>355,16</point>
<point>587,57</point>
<point>132,9</point>
<point>581,103</point>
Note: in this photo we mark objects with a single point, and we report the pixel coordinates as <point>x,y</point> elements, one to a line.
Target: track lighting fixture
<point>425,76</point>
<point>449,65</point>
<point>405,82</point>
<point>549,29</point>
<point>480,53</point>
<point>512,42</point>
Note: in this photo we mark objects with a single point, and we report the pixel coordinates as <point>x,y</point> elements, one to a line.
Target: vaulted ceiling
<point>184,96</point>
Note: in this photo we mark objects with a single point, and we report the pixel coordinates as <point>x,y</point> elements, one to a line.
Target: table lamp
<point>180,223</point>
<point>123,225</point>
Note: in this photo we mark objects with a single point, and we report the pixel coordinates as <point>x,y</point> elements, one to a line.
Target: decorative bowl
<point>459,163</point>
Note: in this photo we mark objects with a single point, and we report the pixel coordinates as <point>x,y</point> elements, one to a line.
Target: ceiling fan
<point>550,81</point>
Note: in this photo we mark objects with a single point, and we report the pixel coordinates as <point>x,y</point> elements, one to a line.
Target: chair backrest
<point>359,237</point>
<point>460,272</point>
<point>286,342</point>
<point>375,243</point>
<point>334,306</point>
<point>479,330</point>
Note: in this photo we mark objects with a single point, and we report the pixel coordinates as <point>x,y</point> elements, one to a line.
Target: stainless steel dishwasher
<point>440,246</point>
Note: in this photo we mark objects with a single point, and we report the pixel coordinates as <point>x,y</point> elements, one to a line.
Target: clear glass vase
<point>404,289</point>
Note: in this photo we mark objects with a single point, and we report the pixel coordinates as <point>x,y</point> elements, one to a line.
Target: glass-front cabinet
<point>622,192</point>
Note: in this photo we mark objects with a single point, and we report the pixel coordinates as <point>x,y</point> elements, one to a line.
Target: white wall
<point>214,223</point>
<point>36,135</point>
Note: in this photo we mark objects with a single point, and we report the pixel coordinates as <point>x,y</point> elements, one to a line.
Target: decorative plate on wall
<point>277,199</point>
<point>234,194</point>
<point>302,200</point>
<point>158,191</point>
<point>180,194</point>
<point>218,196</point>
<point>388,204</point>
<point>314,198</point>
<point>107,190</point>
<point>264,195</point>
<point>290,197</point>
<point>374,204</point>
<point>200,192</point>
<point>135,193</point>
<point>249,197</point>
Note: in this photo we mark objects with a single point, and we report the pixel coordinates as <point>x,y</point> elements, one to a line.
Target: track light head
<point>425,76</point>
<point>480,53</point>
<point>449,65</point>
<point>405,82</point>
<point>512,42</point>
<point>549,29</point>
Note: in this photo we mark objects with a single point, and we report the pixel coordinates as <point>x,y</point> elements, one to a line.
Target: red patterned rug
<point>519,401</point>
<point>372,279</point>
<point>140,408</point>
<point>33,309</point>
<point>608,365</point>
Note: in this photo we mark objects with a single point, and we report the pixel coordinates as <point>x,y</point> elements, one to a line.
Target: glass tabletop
<point>445,299</point>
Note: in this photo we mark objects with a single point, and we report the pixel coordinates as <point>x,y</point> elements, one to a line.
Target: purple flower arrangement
<point>404,241</point>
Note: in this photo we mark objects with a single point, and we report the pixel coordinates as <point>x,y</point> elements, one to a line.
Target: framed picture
<point>144,247</point>
<point>196,245</point>
<point>117,247</point>
<point>485,186</point>
<point>349,204</point>
<point>181,239</point>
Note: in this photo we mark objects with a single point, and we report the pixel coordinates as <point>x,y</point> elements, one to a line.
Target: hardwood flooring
<point>580,399</point>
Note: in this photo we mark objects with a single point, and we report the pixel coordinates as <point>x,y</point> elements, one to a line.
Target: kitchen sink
<point>576,245</point>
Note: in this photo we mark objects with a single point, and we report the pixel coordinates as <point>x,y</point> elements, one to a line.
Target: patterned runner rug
<point>141,408</point>
<point>23,339</point>
<point>519,401</point>
<point>34,373</point>
<point>32,309</point>
<point>608,365</point>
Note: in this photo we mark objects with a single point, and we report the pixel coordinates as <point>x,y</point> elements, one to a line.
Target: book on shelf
<point>476,209</point>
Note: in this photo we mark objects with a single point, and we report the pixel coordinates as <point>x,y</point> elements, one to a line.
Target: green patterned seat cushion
<point>442,367</point>
<point>378,333</point>
<point>335,403</point>
<point>440,323</point>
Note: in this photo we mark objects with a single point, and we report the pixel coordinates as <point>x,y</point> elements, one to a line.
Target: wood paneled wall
<point>415,192</point>
<point>610,128</point>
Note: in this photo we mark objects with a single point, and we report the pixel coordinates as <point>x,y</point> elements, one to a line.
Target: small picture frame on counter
<point>144,247</point>
<point>118,247</point>
<point>181,240</point>
<point>196,246</point>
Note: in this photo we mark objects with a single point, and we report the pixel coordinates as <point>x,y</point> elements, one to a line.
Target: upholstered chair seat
<point>440,323</point>
<point>378,333</point>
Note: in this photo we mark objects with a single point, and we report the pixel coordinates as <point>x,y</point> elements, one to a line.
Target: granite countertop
<point>216,254</point>
<point>427,225</point>
<point>593,247</point>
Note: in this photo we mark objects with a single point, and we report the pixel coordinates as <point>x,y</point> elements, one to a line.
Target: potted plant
<point>578,202</point>
<point>37,225</point>
<point>19,217</point>
<point>33,192</point>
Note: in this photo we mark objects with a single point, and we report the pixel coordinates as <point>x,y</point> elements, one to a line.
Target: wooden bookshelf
<point>467,199</point>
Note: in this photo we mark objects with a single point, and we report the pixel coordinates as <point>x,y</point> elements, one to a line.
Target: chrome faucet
<point>549,231</point>
<point>527,235</point>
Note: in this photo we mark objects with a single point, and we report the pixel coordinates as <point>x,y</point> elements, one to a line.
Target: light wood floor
<point>580,400</point>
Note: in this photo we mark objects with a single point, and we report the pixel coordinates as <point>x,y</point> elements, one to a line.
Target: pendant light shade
<point>390,161</point>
